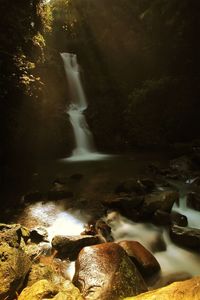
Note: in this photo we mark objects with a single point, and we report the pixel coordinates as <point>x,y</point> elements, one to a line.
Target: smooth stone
<point>162,200</point>
<point>105,272</point>
<point>144,260</point>
<point>70,246</point>
<point>186,236</point>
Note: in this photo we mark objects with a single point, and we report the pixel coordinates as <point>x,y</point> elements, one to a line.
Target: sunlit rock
<point>14,234</point>
<point>185,290</point>
<point>70,246</point>
<point>142,258</point>
<point>14,266</point>
<point>34,251</point>
<point>105,272</point>
<point>38,272</point>
<point>44,289</point>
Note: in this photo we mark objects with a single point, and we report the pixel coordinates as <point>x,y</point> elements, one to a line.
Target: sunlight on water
<point>54,218</point>
<point>65,224</point>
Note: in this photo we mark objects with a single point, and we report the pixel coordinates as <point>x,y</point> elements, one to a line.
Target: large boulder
<point>105,272</point>
<point>45,289</point>
<point>142,258</point>
<point>164,218</point>
<point>162,200</point>
<point>186,236</point>
<point>184,290</point>
<point>70,246</point>
<point>127,204</point>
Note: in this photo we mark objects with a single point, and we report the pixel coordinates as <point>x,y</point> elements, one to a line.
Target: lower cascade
<point>85,149</point>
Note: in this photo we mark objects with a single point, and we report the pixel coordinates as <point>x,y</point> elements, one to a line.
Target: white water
<point>84,149</point>
<point>175,259</point>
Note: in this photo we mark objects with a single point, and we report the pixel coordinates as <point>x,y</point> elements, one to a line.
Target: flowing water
<point>85,148</point>
<point>99,178</point>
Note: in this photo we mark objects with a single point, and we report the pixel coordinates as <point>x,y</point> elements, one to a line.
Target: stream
<point>92,181</point>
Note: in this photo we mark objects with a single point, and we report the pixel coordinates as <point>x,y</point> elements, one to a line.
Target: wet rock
<point>103,230</point>
<point>45,289</point>
<point>126,204</point>
<point>130,185</point>
<point>141,257</point>
<point>70,246</point>
<point>185,236</point>
<point>194,182</point>
<point>59,195</point>
<point>147,184</point>
<point>178,219</point>
<point>193,200</point>
<point>161,218</point>
<point>184,290</point>
<point>38,234</point>
<point>162,200</point>
<point>182,165</point>
<point>105,272</point>
<point>14,266</point>
<point>33,197</point>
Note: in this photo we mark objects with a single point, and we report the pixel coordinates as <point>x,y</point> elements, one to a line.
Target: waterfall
<point>83,137</point>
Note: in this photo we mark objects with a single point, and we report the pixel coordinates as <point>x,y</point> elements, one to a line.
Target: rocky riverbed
<point>137,236</point>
